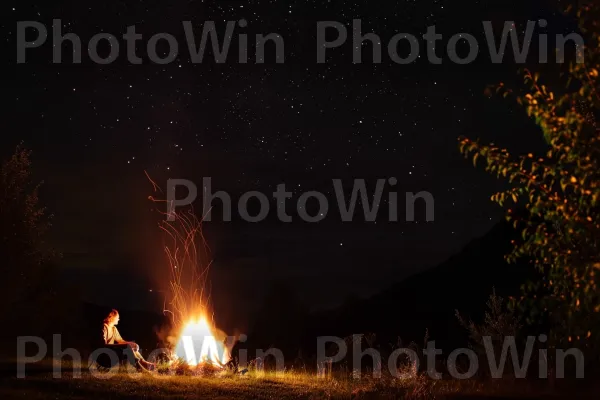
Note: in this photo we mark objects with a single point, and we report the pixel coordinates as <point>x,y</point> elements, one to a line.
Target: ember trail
<point>197,342</point>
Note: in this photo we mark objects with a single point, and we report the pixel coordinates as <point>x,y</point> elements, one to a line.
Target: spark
<point>188,300</point>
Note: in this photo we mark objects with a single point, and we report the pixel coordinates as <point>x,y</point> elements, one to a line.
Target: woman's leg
<point>138,356</point>
<point>142,361</point>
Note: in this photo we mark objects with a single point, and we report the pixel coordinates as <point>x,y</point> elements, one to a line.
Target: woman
<point>112,336</point>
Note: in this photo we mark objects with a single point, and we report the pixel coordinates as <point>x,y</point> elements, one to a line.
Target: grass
<point>126,384</point>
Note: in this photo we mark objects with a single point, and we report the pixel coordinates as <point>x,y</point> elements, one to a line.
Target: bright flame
<point>199,344</point>
<point>189,260</point>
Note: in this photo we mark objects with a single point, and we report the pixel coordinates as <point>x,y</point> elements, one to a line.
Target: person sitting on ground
<point>112,337</point>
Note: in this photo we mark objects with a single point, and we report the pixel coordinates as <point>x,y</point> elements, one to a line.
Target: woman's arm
<point>118,338</point>
<point>105,334</point>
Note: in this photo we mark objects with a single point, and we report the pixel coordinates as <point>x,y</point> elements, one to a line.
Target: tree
<point>23,224</point>
<point>559,191</point>
<point>499,324</point>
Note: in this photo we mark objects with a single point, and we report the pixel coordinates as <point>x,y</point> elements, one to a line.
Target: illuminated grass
<point>253,385</point>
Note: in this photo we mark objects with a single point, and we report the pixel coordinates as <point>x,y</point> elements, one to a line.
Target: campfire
<point>211,349</point>
<point>199,344</point>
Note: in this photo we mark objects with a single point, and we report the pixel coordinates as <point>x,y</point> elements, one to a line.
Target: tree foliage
<point>499,323</point>
<point>559,191</point>
<point>23,223</point>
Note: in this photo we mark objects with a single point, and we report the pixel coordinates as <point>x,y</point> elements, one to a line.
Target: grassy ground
<point>39,384</point>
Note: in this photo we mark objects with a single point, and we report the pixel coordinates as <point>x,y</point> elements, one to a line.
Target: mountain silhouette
<point>428,300</point>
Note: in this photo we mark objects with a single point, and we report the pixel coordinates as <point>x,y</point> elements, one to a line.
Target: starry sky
<point>95,129</point>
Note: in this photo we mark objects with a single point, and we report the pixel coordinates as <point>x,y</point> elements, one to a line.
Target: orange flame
<point>189,261</point>
<point>198,344</point>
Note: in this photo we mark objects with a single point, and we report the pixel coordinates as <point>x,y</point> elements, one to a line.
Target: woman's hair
<point>112,315</point>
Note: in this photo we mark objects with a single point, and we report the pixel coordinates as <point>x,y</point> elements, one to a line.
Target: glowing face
<point>116,320</point>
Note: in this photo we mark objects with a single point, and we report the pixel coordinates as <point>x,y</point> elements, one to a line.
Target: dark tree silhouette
<point>23,224</point>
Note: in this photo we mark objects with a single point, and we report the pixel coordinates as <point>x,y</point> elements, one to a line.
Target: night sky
<point>95,129</point>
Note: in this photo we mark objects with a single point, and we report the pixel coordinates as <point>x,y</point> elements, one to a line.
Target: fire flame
<point>199,344</point>
<point>189,260</point>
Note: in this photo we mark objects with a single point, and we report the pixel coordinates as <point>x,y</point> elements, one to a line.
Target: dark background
<point>95,129</point>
